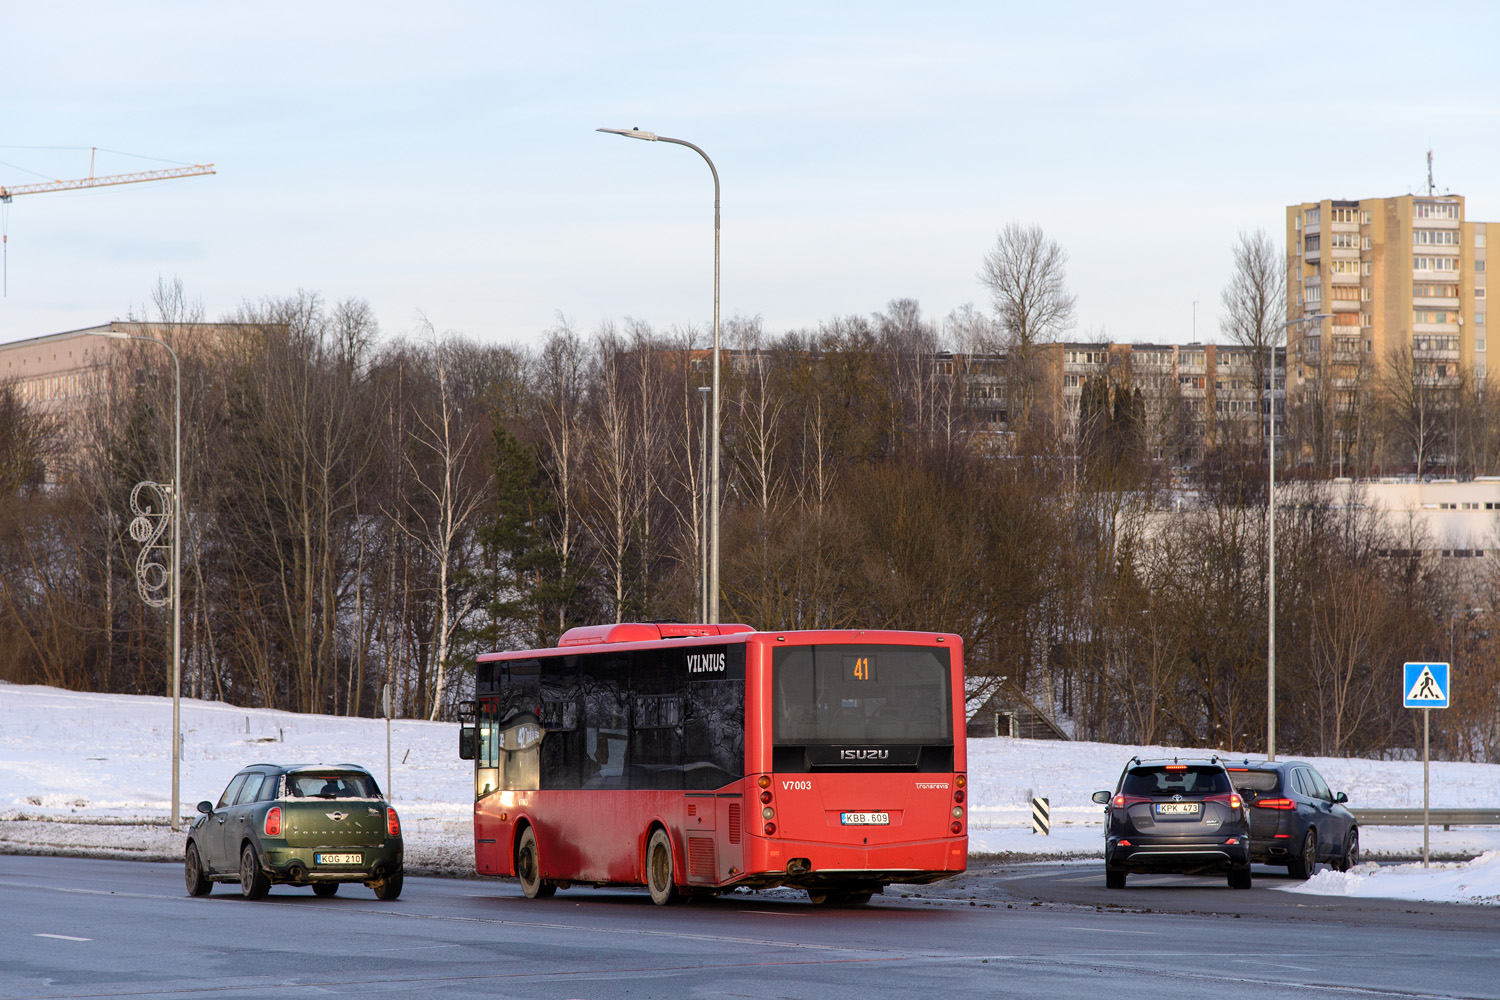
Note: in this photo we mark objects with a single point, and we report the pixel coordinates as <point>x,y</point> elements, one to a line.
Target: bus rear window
<point>861,694</point>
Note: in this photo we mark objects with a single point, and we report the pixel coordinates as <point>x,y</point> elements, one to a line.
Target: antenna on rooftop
<point>1429,171</point>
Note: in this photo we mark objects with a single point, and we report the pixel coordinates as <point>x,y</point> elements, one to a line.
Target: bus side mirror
<point>466,743</point>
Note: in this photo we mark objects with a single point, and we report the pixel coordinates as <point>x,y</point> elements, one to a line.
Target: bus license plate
<point>1176,808</point>
<point>865,819</point>
<point>338,859</point>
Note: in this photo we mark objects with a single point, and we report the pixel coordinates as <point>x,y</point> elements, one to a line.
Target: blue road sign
<point>1424,685</point>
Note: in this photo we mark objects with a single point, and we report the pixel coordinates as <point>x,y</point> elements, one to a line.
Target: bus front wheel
<point>529,868</point>
<point>659,875</point>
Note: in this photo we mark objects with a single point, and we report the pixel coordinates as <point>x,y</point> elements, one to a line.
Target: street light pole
<point>713,578</point>
<point>176,568</point>
<point>703,392</point>
<point>1271,538</point>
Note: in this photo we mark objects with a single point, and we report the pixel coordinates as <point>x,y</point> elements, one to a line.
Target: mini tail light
<point>960,780</point>
<point>765,798</point>
<point>273,821</point>
<point>764,781</point>
<point>1275,804</point>
<point>392,822</point>
<point>770,829</point>
<point>958,796</point>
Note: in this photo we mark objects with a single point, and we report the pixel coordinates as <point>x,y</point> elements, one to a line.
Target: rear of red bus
<point>855,761</point>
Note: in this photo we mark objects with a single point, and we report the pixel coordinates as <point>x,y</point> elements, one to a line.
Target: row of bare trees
<point>362,511</point>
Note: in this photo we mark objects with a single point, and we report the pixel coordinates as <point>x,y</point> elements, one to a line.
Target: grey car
<point>1175,815</point>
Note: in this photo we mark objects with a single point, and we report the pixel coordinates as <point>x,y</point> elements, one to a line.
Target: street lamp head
<point>633,133</point>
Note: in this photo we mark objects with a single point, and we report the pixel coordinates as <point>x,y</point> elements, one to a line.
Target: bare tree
<point>443,461</point>
<point>1254,303</point>
<point>1026,274</point>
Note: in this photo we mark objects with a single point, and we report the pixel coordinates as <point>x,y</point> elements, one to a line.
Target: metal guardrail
<point>1413,817</point>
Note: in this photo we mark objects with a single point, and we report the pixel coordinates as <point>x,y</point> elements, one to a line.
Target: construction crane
<point>7,193</point>
<point>196,170</point>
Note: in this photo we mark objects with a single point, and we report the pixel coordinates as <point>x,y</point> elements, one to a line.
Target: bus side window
<point>605,678</point>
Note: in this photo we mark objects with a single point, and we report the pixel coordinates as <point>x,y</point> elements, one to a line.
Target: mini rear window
<point>331,785</point>
<point>1254,781</point>
<point>1162,779</point>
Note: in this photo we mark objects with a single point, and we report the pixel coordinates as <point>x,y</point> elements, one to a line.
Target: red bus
<point>694,759</point>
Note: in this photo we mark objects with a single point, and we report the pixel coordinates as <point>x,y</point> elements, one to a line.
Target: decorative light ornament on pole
<point>713,558</point>
<point>1271,538</point>
<point>147,527</point>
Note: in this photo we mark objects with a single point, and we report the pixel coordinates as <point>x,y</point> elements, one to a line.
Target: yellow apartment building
<point>1404,281</point>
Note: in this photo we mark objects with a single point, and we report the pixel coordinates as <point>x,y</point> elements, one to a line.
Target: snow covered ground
<point>91,773</point>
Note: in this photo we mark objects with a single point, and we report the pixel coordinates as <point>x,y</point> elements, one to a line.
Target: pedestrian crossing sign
<point>1425,685</point>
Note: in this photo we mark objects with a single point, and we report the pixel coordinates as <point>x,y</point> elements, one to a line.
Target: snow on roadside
<point>1476,881</point>
<point>105,760</point>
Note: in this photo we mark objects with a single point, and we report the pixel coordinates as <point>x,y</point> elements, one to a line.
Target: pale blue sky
<point>442,157</point>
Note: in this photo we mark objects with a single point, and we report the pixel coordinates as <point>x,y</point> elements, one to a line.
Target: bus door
<point>731,838</point>
<point>699,843</point>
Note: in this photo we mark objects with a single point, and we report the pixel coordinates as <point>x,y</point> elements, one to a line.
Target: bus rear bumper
<point>810,864</point>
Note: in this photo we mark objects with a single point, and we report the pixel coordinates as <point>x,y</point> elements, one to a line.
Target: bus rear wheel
<point>659,875</point>
<point>529,868</point>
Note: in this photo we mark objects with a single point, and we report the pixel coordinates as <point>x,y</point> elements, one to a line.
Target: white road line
<point>63,937</point>
<point>1108,930</point>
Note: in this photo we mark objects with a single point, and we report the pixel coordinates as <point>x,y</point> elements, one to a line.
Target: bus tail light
<point>764,781</point>
<point>770,829</point>
<point>958,795</point>
<point>392,822</point>
<point>960,780</point>
<point>767,813</point>
<point>1275,804</point>
<point>273,821</point>
<point>765,798</point>
<point>958,812</point>
<point>957,827</point>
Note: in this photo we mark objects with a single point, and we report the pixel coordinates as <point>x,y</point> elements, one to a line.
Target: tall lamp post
<point>713,544</point>
<point>176,566</point>
<point>1271,539</point>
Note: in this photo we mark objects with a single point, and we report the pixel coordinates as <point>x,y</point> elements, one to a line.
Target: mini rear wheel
<point>253,882</point>
<point>388,888</point>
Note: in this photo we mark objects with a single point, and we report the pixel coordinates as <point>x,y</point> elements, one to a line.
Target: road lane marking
<point>1109,930</point>
<point>63,937</point>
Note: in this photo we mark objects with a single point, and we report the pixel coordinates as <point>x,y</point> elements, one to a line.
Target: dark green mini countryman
<point>318,825</point>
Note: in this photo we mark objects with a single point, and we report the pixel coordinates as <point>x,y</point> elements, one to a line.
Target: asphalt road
<point>90,928</point>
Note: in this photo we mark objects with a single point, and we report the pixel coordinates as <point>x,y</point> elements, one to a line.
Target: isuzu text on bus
<point>693,759</point>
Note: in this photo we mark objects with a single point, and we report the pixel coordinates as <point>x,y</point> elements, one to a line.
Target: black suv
<point>1174,815</point>
<point>1294,819</point>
